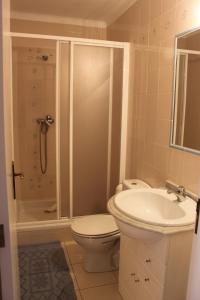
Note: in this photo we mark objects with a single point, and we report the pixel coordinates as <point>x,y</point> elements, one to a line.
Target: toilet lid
<point>94,225</point>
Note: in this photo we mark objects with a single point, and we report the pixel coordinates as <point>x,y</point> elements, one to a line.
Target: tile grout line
<point>80,290</point>
<point>71,271</point>
<point>96,286</point>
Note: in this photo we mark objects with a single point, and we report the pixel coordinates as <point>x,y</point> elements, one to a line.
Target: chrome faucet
<point>179,191</point>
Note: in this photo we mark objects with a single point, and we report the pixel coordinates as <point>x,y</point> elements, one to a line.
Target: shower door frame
<point>63,221</point>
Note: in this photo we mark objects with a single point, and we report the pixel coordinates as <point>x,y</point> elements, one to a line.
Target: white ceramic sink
<point>148,213</point>
<point>156,206</point>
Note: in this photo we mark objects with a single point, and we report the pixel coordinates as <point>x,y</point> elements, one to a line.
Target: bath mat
<point>44,273</point>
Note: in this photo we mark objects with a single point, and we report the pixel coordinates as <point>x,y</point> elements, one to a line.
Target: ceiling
<point>102,12</point>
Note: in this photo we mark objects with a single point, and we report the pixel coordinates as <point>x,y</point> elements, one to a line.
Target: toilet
<point>99,235</point>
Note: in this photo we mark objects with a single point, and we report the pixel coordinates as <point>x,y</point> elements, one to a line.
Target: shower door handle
<point>20,175</point>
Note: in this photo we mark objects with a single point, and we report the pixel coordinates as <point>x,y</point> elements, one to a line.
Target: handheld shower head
<point>44,127</point>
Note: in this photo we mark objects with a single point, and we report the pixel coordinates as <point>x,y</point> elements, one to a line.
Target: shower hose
<point>43,147</point>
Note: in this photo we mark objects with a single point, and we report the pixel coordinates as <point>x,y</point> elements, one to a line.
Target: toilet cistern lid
<point>94,225</point>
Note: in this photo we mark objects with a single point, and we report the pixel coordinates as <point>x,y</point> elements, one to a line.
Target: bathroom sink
<point>155,206</point>
<point>139,212</point>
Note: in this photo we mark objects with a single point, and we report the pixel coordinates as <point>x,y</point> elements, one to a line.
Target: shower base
<point>34,210</point>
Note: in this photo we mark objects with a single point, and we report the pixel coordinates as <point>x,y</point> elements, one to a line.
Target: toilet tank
<point>131,184</point>
<point>128,184</point>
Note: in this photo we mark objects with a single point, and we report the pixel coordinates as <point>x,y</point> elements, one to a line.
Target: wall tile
<point>164,106</point>
<point>153,71</point>
<point>155,9</point>
<point>154,33</point>
<point>34,97</point>
<point>162,132</point>
<point>187,15</point>
<point>191,176</point>
<point>168,5</point>
<point>175,170</point>
<point>152,158</point>
<point>167,24</point>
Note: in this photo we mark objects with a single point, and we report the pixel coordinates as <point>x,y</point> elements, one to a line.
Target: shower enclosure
<point>69,125</point>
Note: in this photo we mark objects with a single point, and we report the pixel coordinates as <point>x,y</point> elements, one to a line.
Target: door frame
<point>8,254</point>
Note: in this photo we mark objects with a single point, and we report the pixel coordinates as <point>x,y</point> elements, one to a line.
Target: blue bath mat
<point>44,273</point>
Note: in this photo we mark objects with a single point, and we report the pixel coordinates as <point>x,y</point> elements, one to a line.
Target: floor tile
<point>86,280</point>
<point>106,292</point>
<point>70,267</point>
<point>75,252</point>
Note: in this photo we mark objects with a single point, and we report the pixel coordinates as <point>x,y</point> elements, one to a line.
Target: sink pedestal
<point>155,270</point>
<point>156,241</point>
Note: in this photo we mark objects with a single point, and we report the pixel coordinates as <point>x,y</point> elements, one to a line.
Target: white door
<point>8,254</point>
<point>193,292</point>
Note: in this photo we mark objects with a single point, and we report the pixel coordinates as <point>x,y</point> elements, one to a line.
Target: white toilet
<point>99,235</point>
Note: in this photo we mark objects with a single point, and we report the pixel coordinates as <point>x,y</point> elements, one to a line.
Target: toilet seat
<point>98,236</point>
<point>95,226</point>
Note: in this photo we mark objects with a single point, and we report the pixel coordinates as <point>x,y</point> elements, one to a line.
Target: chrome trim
<point>171,144</point>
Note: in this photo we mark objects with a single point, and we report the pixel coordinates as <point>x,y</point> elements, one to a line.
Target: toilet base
<point>101,262</point>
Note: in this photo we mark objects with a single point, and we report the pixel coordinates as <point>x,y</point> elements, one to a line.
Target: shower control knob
<point>49,120</point>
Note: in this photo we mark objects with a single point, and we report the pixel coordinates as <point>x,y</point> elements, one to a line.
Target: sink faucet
<point>180,193</point>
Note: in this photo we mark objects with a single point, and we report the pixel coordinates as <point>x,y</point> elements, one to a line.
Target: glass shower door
<point>97,102</point>
<point>67,103</point>
<point>34,114</point>
<point>64,131</point>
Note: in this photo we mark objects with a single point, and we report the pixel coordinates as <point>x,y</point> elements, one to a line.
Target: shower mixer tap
<point>49,120</point>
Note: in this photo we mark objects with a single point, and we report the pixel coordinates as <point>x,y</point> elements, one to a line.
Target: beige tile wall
<point>33,97</point>
<point>26,26</point>
<point>151,25</point>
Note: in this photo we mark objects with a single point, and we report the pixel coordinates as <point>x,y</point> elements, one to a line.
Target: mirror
<point>185,132</point>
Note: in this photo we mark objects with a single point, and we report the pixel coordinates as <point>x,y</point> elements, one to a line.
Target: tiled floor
<point>90,286</point>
